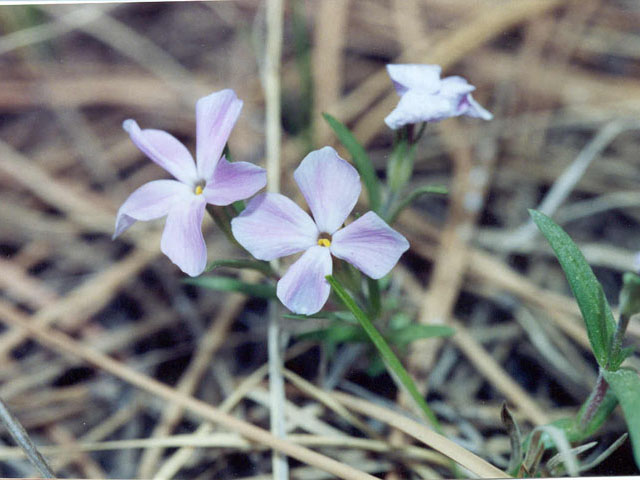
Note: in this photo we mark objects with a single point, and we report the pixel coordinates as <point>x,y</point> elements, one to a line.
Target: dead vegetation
<point>561,78</point>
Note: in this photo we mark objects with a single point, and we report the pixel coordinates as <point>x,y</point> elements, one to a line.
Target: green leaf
<point>409,333</point>
<point>630,294</point>
<point>342,315</point>
<point>620,357</point>
<point>258,265</point>
<point>625,383</point>
<point>226,284</point>
<point>394,366</point>
<point>400,165</point>
<point>336,333</point>
<point>360,159</point>
<point>594,307</point>
<point>409,199</point>
<point>515,439</point>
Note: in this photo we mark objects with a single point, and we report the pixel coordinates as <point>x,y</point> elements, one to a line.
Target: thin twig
<point>68,346</point>
<point>21,437</point>
<point>275,12</point>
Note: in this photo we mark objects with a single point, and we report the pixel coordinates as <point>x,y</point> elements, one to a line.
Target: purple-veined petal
<point>216,114</point>
<point>273,226</point>
<point>370,245</point>
<point>234,181</point>
<point>468,106</point>
<point>455,86</point>
<point>416,107</point>
<point>164,149</point>
<point>151,200</point>
<point>414,76</point>
<point>304,289</point>
<point>330,186</point>
<point>182,239</point>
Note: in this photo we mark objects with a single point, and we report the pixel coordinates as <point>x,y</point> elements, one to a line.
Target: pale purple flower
<point>210,179</point>
<point>424,97</point>
<point>272,226</point>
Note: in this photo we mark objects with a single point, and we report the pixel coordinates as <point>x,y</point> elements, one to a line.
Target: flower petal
<point>370,245</point>
<point>216,114</point>
<point>304,289</point>
<point>151,200</point>
<point>182,239</point>
<point>468,106</point>
<point>416,107</point>
<point>409,76</point>
<point>330,186</point>
<point>272,226</point>
<point>234,181</point>
<point>455,86</point>
<point>164,149</point>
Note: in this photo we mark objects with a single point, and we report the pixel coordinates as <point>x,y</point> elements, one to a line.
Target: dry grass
<point>112,363</point>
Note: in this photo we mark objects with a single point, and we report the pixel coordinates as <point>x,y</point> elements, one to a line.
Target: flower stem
<point>594,401</point>
<point>374,297</point>
<point>223,221</point>
<point>394,366</point>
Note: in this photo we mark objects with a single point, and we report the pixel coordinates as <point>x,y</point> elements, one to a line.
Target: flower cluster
<point>272,226</point>
<point>425,97</point>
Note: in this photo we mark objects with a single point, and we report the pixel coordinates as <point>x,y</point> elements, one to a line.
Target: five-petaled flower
<point>210,179</point>
<point>273,226</point>
<point>424,97</point>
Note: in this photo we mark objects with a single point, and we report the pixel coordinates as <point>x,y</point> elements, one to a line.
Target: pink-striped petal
<point>164,149</point>
<point>330,186</point>
<point>216,114</point>
<point>182,239</point>
<point>410,76</point>
<point>150,201</point>
<point>304,289</point>
<point>370,245</point>
<point>468,106</point>
<point>272,226</point>
<point>234,181</point>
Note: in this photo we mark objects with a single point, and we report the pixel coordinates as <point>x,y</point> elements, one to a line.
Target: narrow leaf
<point>258,265</point>
<point>340,316</point>
<point>336,333</point>
<point>360,159</point>
<point>625,383</point>
<point>594,307</point>
<point>409,333</point>
<point>414,195</point>
<point>226,284</point>
<point>394,366</point>
<point>515,442</point>
<point>604,455</point>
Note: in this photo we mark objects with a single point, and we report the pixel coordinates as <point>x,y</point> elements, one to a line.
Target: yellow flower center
<point>199,189</point>
<point>324,242</point>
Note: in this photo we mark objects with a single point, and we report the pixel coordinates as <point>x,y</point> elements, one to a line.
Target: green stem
<point>594,401</point>
<point>394,366</point>
<point>374,297</point>
<point>618,336</point>
<point>391,215</point>
<point>223,221</point>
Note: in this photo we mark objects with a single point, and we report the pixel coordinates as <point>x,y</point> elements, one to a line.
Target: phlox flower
<point>424,97</point>
<point>210,179</point>
<point>273,226</point>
